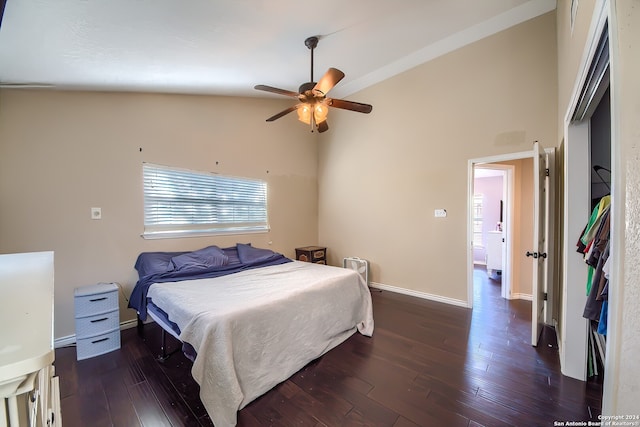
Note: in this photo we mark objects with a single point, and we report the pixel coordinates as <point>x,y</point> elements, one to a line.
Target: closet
<point>593,244</point>
<point>587,179</point>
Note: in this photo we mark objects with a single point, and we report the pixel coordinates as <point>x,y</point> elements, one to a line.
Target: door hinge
<point>545,297</point>
<point>546,172</point>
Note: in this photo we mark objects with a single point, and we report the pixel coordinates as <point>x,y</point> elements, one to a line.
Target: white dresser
<point>29,393</point>
<point>97,320</point>
<point>495,243</point>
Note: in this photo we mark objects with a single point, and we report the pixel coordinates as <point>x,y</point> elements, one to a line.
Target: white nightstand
<point>97,320</point>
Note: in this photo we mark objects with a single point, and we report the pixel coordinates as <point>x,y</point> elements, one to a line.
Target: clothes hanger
<point>597,169</point>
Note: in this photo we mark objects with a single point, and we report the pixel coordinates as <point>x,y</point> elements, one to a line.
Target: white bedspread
<point>254,329</point>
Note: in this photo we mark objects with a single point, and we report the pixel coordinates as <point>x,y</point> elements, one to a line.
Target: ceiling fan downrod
<point>311,43</point>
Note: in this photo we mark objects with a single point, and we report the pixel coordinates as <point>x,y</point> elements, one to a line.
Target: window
<point>477,219</point>
<point>180,203</point>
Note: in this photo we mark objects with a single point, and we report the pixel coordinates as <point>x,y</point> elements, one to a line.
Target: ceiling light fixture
<point>313,107</point>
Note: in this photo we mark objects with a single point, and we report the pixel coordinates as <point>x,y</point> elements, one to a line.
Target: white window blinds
<point>477,219</point>
<point>180,202</point>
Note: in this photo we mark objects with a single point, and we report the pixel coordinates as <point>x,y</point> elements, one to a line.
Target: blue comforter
<point>157,267</point>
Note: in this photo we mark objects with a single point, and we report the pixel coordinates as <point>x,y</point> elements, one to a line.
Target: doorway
<point>492,217</point>
<point>507,188</point>
<point>518,271</point>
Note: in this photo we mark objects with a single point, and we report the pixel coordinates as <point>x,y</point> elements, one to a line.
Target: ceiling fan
<point>314,104</point>
<point>25,85</point>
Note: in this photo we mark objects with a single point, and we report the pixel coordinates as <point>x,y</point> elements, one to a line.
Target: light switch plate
<point>96,213</point>
<point>440,213</point>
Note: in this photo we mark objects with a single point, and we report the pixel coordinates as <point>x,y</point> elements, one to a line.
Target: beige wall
<point>381,176</point>
<point>571,47</point>
<point>62,153</point>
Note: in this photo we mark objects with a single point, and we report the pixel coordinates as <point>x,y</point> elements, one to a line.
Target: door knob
<point>533,254</point>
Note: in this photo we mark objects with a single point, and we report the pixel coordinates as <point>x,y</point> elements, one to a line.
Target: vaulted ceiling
<point>227,47</point>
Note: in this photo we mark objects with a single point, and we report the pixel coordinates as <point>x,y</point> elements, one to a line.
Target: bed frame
<point>231,331</point>
<point>164,355</point>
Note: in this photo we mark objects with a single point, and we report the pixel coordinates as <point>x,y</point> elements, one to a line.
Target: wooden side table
<point>314,254</point>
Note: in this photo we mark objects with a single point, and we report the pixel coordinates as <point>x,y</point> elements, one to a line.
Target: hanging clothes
<point>594,242</point>
<point>600,240</point>
<point>593,306</point>
<point>602,324</point>
<point>604,295</point>
<point>590,233</point>
<point>595,219</point>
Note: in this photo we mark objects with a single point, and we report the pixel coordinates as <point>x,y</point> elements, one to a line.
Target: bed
<point>251,316</point>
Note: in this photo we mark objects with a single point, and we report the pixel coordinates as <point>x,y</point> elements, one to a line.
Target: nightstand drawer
<point>97,345</point>
<point>97,324</point>
<point>91,300</point>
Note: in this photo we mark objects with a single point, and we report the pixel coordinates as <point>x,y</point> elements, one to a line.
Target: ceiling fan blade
<point>350,105</point>
<point>25,85</point>
<point>276,90</point>
<point>329,80</point>
<point>283,113</point>
<point>323,127</point>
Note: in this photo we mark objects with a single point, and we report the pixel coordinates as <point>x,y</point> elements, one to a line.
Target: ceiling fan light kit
<point>313,107</point>
<point>319,113</point>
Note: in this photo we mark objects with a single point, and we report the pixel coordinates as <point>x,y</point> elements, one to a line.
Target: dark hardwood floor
<point>428,364</point>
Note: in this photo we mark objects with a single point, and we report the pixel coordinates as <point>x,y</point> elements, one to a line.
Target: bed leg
<point>140,327</point>
<point>163,348</point>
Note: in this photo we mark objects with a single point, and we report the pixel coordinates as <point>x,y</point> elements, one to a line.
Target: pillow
<point>249,254</point>
<point>211,256</point>
<point>155,262</point>
<point>232,253</point>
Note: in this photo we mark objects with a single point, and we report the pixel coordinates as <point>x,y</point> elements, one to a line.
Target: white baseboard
<point>71,339</point>
<point>64,341</point>
<point>527,297</point>
<point>419,294</point>
<point>558,340</point>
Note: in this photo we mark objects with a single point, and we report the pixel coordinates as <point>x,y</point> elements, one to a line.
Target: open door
<point>538,253</point>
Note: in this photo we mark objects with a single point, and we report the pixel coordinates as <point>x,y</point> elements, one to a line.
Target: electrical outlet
<point>96,213</point>
<point>440,213</point>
